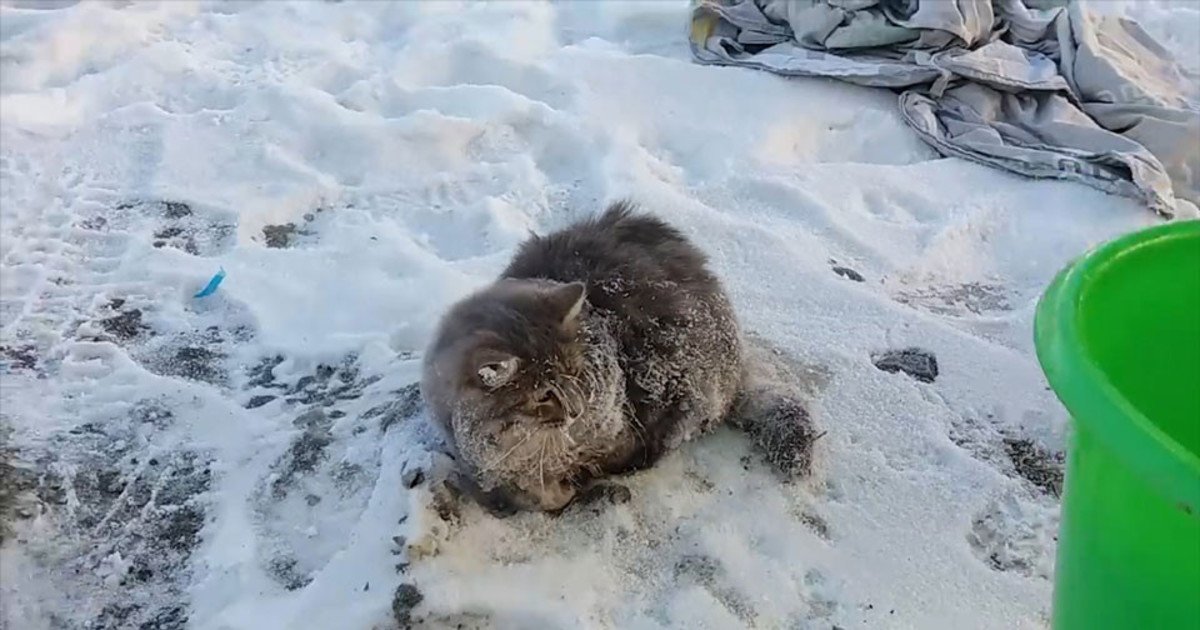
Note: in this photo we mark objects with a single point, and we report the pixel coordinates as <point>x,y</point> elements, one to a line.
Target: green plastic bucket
<point>1118,335</point>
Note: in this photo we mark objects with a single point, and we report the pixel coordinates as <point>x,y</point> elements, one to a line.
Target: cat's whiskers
<point>557,390</point>
<point>591,384</point>
<point>576,398</point>
<point>508,453</point>
<point>566,434</point>
<point>556,452</point>
<point>639,430</point>
<point>542,461</point>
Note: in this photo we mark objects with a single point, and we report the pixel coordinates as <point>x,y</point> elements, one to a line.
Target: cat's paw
<point>497,503</point>
<point>452,487</point>
<point>599,495</point>
<point>785,435</point>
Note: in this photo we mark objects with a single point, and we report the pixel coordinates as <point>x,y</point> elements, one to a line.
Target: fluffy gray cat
<point>600,348</point>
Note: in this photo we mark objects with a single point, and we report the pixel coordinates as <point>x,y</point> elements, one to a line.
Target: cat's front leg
<point>497,502</point>
<point>548,495</point>
<point>602,492</point>
<point>452,484</point>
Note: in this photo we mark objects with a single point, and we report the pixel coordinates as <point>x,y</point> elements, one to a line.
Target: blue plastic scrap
<point>212,285</point>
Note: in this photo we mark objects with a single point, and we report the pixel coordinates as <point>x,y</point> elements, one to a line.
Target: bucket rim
<point>1093,401</point>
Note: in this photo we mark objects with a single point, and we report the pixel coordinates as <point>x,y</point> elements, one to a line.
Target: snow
<point>171,465</point>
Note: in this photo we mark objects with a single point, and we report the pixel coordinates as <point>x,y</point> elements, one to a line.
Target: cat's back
<point>629,261</point>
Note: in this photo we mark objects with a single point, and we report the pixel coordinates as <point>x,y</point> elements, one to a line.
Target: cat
<point>600,348</point>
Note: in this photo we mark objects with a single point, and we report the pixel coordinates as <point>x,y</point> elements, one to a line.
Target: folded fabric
<point>1044,88</point>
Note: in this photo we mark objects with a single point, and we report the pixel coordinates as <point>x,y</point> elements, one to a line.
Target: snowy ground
<point>241,461</point>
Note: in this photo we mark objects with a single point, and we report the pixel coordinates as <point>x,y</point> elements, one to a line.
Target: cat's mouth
<point>556,423</point>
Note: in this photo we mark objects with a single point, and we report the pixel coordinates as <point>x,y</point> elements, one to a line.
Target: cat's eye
<point>545,397</point>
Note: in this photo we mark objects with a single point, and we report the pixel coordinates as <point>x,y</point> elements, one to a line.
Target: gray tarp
<point>1030,86</point>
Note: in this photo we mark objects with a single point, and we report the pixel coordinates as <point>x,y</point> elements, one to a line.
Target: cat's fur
<point>600,348</point>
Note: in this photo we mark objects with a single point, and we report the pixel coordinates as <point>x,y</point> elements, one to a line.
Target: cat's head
<point>524,350</point>
<point>510,366</point>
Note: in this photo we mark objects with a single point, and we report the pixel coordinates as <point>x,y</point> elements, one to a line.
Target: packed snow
<point>260,458</point>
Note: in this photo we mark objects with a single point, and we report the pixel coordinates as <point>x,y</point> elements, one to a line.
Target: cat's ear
<point>494,370</point>
<point>568,300</point>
